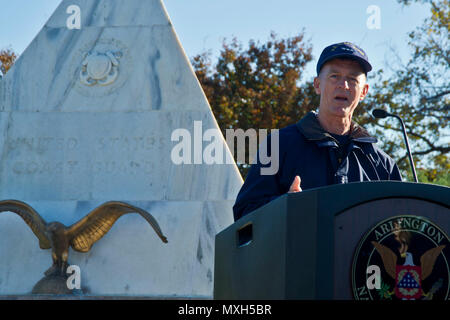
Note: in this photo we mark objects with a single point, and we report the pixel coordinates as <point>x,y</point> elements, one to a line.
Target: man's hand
<point>295,186</point>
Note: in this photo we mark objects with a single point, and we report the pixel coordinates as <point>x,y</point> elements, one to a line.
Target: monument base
<point>54,284</point>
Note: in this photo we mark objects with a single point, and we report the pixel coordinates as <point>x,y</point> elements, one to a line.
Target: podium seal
<point>402,258</point>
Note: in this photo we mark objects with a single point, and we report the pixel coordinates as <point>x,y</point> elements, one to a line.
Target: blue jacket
<point>307,150</point>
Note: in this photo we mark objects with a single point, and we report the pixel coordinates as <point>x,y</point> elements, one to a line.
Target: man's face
<point>341,85</point>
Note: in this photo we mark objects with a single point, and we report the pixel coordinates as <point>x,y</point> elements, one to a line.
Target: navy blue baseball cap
<point>344,50</point>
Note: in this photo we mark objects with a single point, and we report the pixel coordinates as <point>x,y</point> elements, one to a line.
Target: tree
<point>419,92</point>
<point>258,87</point>
<point>7,58</point>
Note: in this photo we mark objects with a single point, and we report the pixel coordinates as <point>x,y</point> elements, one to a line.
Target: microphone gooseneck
<point>379,113</point>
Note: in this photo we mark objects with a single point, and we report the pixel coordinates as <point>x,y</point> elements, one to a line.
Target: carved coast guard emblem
<point>100,68</point>
<point>402,258</point>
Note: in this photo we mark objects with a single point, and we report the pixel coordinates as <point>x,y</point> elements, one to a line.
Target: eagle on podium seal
<point>402,258</point>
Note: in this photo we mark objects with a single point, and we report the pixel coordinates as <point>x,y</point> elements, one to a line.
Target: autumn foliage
<point>7,58</point>
<point>257,87</point>
<point>260,87</point>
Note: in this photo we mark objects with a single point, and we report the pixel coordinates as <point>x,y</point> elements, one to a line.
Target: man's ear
<point>317,85</point>
<point>364,92</point>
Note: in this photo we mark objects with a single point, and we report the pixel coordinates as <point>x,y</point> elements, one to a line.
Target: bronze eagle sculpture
<point>81,235</point>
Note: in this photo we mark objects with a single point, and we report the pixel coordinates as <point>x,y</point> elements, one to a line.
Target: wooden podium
<point>303,245</point>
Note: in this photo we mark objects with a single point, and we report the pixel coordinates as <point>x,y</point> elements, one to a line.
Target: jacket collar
<point>310,127</point>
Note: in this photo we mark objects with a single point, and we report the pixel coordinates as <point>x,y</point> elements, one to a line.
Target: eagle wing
<point>99,221</point>
<point>31,218</point>
<point>389,258</point>
<point>428,259</point>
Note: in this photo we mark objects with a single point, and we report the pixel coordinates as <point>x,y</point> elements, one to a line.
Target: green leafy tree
<point>418,91</point>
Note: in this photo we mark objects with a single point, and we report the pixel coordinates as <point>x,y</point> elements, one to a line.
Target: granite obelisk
<point>86,116</point>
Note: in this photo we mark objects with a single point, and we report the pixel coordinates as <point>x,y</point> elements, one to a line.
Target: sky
<point>202,25</point>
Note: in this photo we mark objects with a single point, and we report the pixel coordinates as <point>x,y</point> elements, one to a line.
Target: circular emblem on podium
<point>402,258</point>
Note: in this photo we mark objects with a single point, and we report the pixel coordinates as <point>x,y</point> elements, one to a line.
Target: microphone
<point>380,114</point>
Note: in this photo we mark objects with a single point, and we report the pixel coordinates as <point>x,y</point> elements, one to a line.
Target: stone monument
<point>87,115</point>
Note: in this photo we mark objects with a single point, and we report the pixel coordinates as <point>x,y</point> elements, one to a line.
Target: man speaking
<point>326,147</point>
